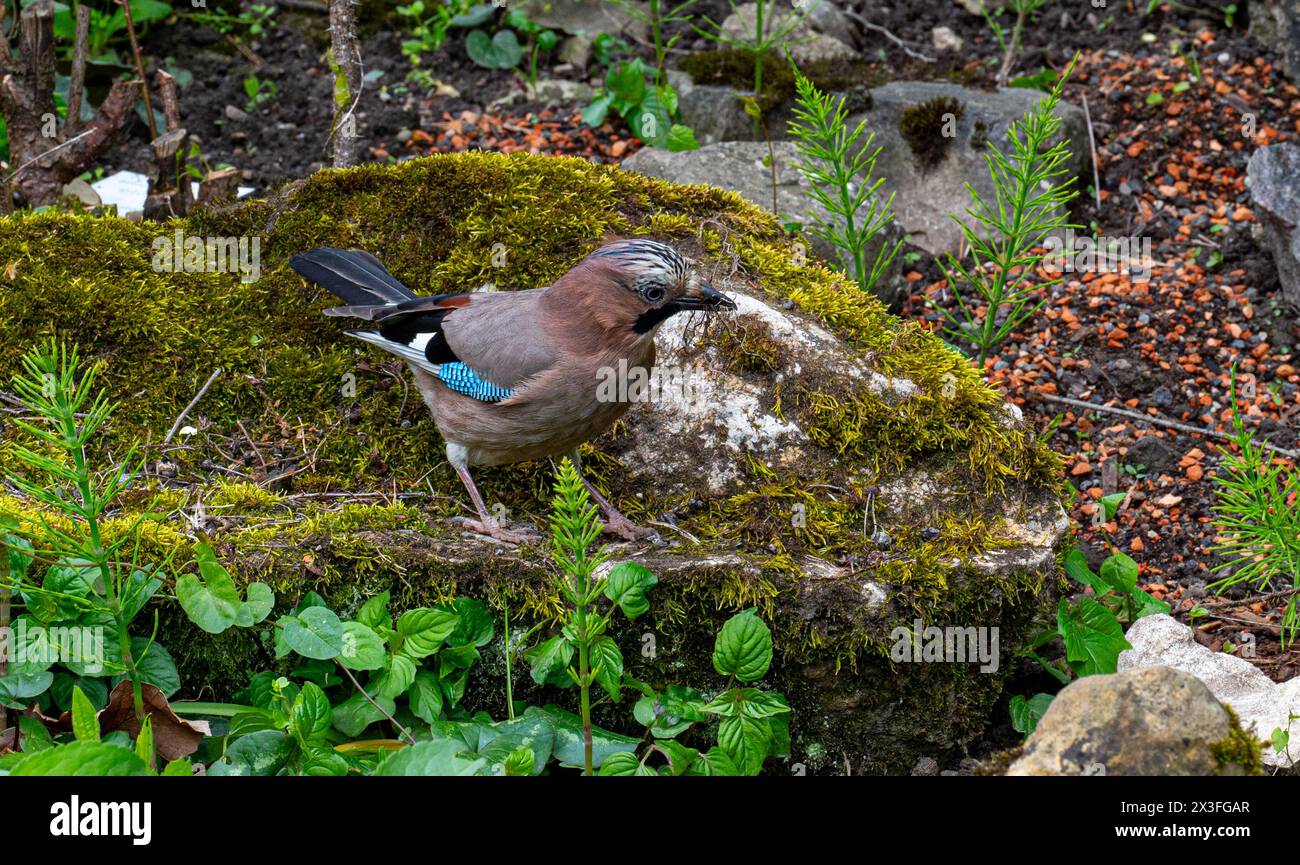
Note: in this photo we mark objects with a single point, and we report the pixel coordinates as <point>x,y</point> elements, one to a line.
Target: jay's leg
<point>615,522</point>
<point>486,524</point>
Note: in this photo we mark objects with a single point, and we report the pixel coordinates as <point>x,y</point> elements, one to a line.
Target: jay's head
<point>646,282</point>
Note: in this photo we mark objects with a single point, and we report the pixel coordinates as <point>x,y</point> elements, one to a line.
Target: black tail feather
<point>355,277</point>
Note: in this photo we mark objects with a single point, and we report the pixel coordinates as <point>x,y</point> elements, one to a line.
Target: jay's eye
<point>653,294</point>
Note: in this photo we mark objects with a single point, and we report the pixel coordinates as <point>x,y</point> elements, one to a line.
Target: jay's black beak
<point>705,297</point>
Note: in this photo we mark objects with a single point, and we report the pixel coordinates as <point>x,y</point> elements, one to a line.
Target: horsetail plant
<point>1028,205</point>
<point>840,167</point>
<point>581,580</point>
<point>1257,520</point>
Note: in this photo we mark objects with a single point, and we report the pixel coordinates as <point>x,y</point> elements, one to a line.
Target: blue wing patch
<point>462,379</point>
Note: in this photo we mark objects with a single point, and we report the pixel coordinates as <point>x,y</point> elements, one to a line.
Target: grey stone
<point>575,50</point>
<point>738,166</point>
<point>1273,175</point>
<point>1276,23</point>
<point>1154,721</point>
<point>809,44</point>
<point>559,90</point>
<point>588,17</point>
<point>714,112</point>
<point>1260,703</point>
<point>925,197</point>
<point>80,190</point>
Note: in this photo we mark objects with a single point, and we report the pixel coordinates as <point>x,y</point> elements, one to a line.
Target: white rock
<point>1161,641</point>
<point>944,39</point>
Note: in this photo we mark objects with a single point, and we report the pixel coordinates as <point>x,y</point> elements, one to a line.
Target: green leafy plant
<point>1257,517</point>
<point>252,22</point>
<point>582,654</point>
<point>769,34</point>
<point>1023,10</point>
<point>429,26</point>
<point>107,26</point>
<point>840,169</point>
<point>258,92</point>
<point>753,724</point>
<point>1029,204</point>
<point>1091,628</point>
<point>648,109</point>
<point>74,635</point>
<point>657,15</point>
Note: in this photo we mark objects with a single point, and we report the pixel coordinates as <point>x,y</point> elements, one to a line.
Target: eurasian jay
<point>512,376</point>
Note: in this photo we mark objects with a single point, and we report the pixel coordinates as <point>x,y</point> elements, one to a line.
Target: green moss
<point>922,127</point>
<point>1240,752</point>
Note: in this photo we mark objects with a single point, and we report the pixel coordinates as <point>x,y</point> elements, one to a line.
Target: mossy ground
<point>305,414</point>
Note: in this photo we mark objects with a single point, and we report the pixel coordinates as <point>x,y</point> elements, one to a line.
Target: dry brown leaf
<point>173,737</point>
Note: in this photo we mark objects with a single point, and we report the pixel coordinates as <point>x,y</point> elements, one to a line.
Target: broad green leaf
<point>311,716</point>
<point>425,697</point>
<point>1120,572</point>
<point>398,675</point>
<point>519,763</point>
<point>1025,714</point>
<point>626,586</point>
<point>501,51</point>
<point>178,769</point>
<point>374,613</point>
<point>81,759</point>
<point>85,721</point>
<point>155,665</point>
<point>607,662</point>
<point>568,738</point>
<point>744,647</point>
<point>623,764</point>
<point>437,758</point>
<point>363,649</point>
<point>680,138</point>
<point>257,754</point>
<point>35,737</point>
<point>1076,568</point>
<point>747,741</point>
<point>355,714</point>
<point>209,599</point>
<point>16,691</point>
<point>550,660</point>
<point>424,630</point>
<point>1092,635</point>
<point>316,632</point>
<point>594,114</point>
<point>474,625</point>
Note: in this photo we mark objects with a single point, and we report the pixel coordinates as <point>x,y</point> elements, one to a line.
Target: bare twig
<point>406,734</point>
<point>77,81</point>
<point>1159,421</point>
<point>345,53</point>
<point>1092,149</point>
<point>916,55</point>
<point>139,68</point>
<point>198,396</point>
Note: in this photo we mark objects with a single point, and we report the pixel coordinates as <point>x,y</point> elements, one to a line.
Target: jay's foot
<point>617,524</point>
<point>493,529</point>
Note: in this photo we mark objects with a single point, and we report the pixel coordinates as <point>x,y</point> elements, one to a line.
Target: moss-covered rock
<point>845,472</point>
